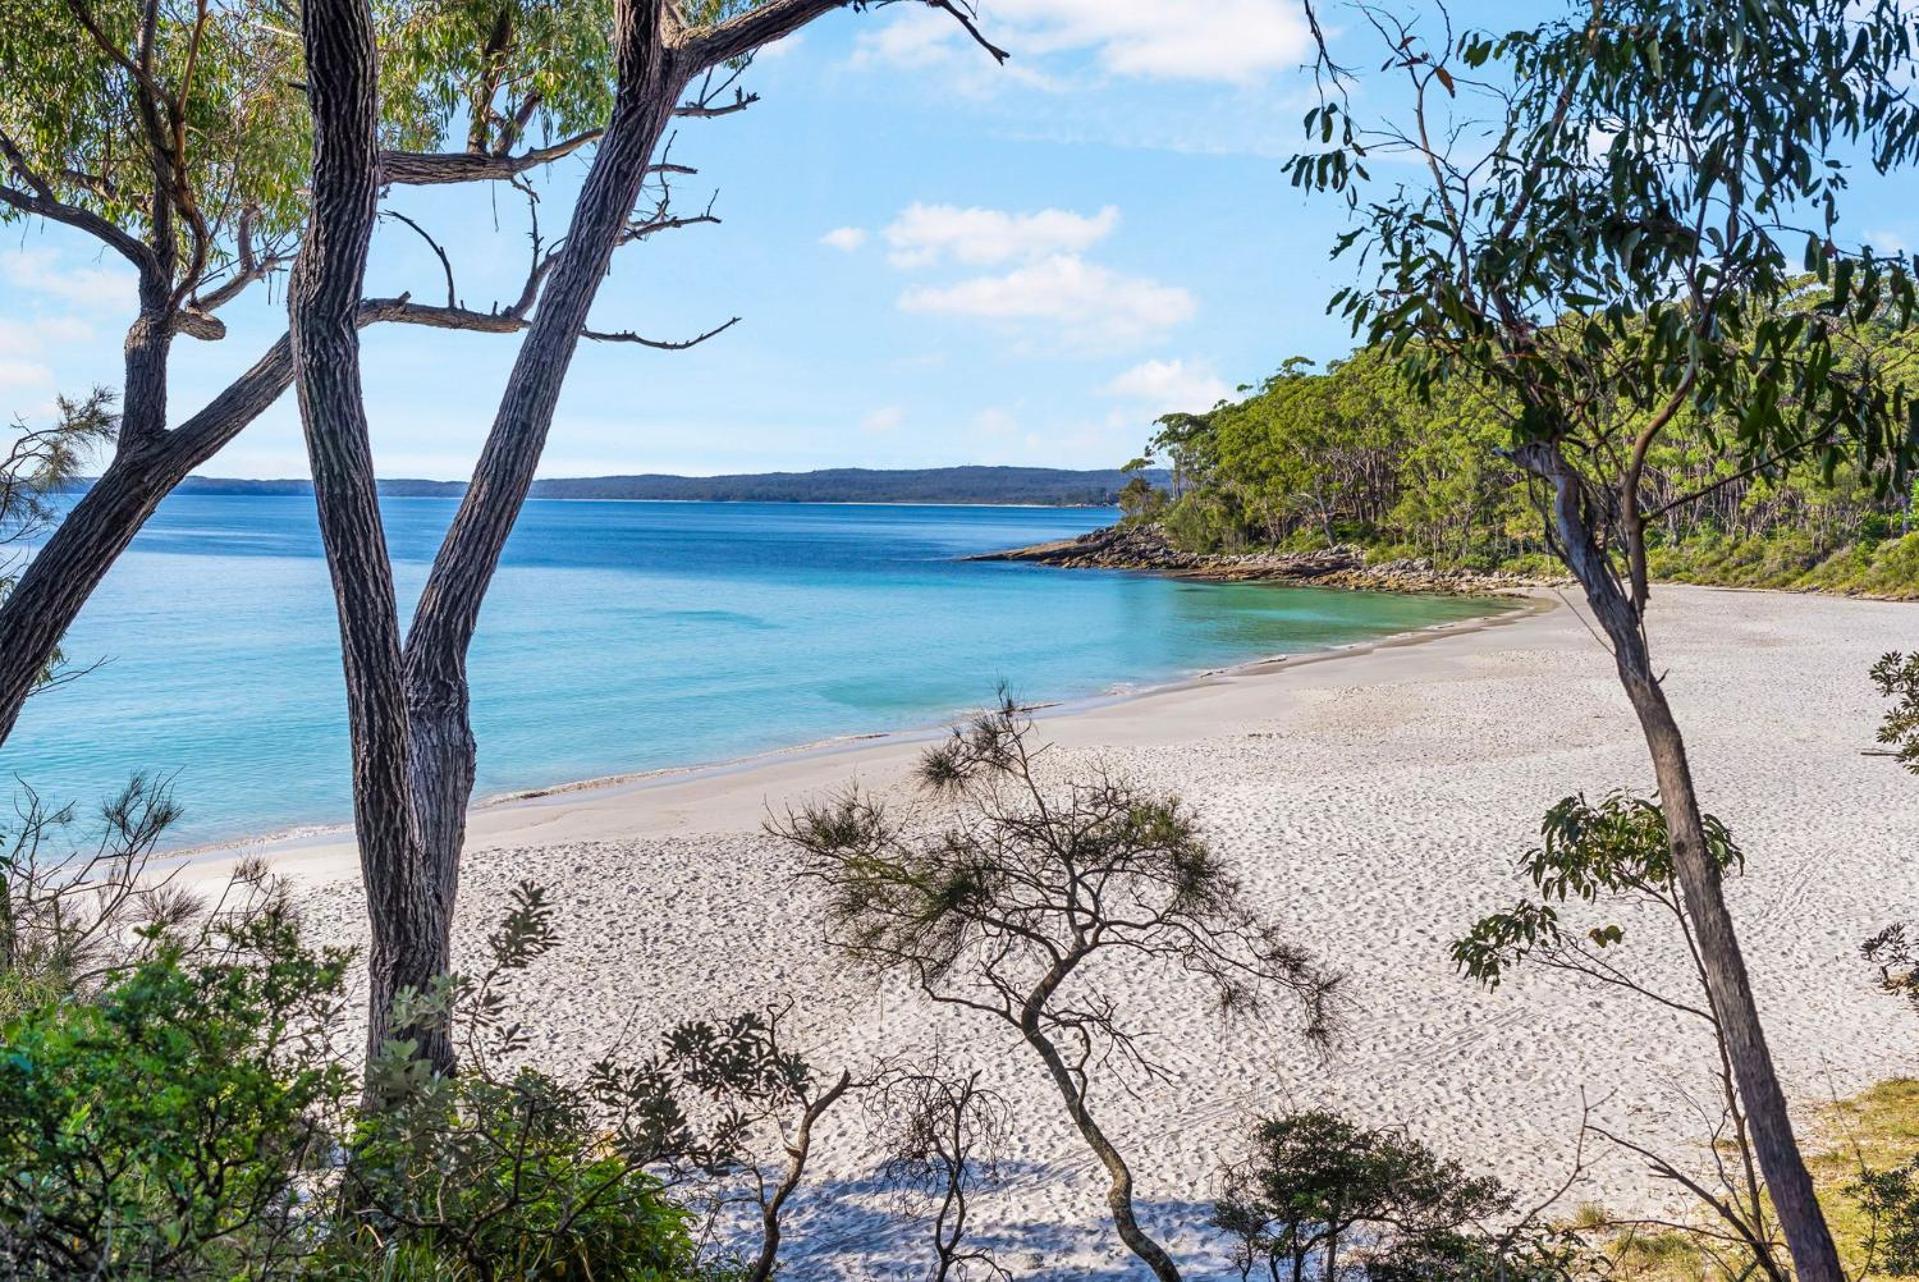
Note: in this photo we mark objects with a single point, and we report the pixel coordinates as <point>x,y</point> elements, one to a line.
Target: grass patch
<point>1877,1128</point>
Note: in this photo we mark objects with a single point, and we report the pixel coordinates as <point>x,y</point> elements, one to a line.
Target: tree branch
<point>446,264</point>
<point>661,344</point>
<point>739,36</point>
<point>430,168</point>
<point>41,201</point>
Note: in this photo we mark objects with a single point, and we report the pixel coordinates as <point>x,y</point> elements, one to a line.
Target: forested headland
<point>1352,454</point>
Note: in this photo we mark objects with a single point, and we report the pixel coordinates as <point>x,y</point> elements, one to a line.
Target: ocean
<point>620,637</point>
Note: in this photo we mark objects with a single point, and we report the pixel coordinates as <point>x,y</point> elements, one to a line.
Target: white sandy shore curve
<point>1374,806</point>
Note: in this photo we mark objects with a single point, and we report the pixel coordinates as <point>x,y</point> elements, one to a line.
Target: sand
<point>1374,804</point>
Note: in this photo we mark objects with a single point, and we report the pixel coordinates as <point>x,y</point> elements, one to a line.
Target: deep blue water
<point>619,637</point>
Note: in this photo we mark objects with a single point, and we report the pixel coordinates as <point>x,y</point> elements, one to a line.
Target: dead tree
<point>943,1132</point>
<point>1001,901</point>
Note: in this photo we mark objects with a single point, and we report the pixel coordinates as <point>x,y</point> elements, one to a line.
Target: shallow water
<point>620,637</point>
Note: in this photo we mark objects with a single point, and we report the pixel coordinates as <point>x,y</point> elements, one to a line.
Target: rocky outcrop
<point>1146,547</point>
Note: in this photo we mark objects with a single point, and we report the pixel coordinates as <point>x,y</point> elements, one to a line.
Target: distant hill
<point>1041,486</point>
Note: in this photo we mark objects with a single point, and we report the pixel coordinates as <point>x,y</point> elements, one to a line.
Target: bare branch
<point>446,264</point>
<point>741,35</point>
<point>706,111</point>
<point>665,345</point>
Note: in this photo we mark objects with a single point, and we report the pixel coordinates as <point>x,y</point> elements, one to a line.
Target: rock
<point>1146,547</point>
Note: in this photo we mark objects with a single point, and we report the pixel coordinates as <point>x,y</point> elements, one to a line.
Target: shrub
<point>1314,1184</point>
<point>166,1126</point>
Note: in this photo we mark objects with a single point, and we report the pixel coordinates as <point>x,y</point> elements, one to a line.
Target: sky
<point>935,261</point>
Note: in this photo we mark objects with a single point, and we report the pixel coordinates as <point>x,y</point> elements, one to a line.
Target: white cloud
<point>42,271</point>
<point>844,239</point>
<point>1163,386</point>
<point>27,380</point>
<point>995,422</point>
<point>1235,41</point>
<point>916,38</point>
<point>1082,303</point>
<point>24,376</point>
<point>924,234</point>
<point>884,419</point>
<point>1887,242</point>
<point>780,48</point>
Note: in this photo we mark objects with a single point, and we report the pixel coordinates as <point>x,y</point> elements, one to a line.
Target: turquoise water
<point>619,637</point>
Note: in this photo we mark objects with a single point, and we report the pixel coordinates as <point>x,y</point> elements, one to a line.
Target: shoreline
<point>1147,549</point>
<point>1514,607</point>
<point>1372,801</point>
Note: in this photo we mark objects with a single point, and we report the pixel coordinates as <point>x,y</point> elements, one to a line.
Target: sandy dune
<point>1374,804</point>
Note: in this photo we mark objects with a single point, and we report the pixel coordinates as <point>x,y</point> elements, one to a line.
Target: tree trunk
<point>69,566</point>
<point>442,763</point>
<point>1119,1193</point>
<point>1815,1259</point>
<point>797,1153</point>
<point>443,749</point>
<point>409,940</point>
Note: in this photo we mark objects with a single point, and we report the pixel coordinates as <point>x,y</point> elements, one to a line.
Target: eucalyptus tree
<point>413,752</point>
<point>174,135</point>
<point>1625,215</point>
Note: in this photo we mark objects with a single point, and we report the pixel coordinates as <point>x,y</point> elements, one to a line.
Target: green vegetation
<point>1356,454</point>
<point>1876,1131</point>
<point>1315,1194</point>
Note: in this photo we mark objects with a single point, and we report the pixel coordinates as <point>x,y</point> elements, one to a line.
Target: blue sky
<point>936,261</point>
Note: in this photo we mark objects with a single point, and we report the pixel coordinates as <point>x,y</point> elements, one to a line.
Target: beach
<point>1374,802</point>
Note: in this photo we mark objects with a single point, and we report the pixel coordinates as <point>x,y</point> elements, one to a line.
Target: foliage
<point>40,463</point>
<point>506,1170</point>
<point>1358,454</point>
<point>187,1114</point>
<point>1315,1185</point>
<point>1021,885</point>
<point>67,910</point>
<point>163,1127</point>
<point>508,67</point>
<point>1633,243</point>
<point>1897,676</point>
<point>1617,851</point>
<point>86,104</point>
<point>1007,895</point>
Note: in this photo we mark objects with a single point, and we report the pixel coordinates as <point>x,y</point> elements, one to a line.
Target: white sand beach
<point>1374,804</point>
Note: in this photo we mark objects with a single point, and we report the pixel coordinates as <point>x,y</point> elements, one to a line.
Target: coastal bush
<point>1616,852</point>
<point>1295,467</point>
<point>1314,1189</point>
<point>1004,891</point>
<point>72,895</point>
<point>188,1114</point>
<point>942,1133</point>
<point>503,1170</point>
<point>170,1124</point>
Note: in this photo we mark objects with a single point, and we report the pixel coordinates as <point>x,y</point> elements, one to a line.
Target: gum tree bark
<point>1727,983</point>
<point>323,307</point>
<point>443,755</point>
<point>414,752</point>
